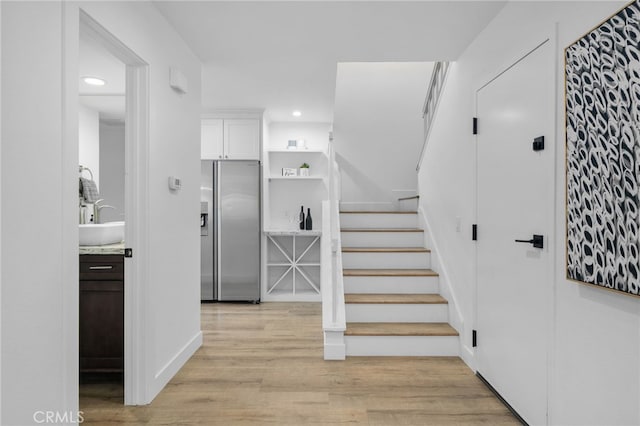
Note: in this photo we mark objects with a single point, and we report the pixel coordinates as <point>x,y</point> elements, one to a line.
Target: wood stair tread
<point>385,250</point>
<point>377,298</point>
<point>389,273</point>
<point>381,230</point>
<point>376,212</point>
<point>399,329</point>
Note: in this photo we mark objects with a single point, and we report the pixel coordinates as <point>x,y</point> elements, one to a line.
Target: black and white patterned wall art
<point>602,71</point>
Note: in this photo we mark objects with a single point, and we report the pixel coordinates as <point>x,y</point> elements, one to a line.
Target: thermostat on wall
<point>175,183</point>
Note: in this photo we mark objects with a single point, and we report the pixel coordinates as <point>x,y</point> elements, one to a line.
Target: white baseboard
<point>468,356</point>
<point>170,369</point>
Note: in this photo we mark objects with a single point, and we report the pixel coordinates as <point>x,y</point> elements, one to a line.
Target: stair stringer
<point>456,319</point>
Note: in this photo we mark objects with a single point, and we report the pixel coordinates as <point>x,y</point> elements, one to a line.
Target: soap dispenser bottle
<point>83,214</point>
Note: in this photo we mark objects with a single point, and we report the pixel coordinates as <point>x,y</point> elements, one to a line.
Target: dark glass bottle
<point>302,217</point>
<point>308,225</point>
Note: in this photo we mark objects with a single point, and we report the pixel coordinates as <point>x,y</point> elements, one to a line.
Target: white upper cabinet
<point>212,139</point>
<point>242,139</point>
<point>230,139</point>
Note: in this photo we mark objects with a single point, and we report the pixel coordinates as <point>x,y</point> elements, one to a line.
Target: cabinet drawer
<point>101,267</point>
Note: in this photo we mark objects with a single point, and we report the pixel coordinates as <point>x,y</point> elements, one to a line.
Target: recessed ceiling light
<point>94,81</point>
<point>296,113</point>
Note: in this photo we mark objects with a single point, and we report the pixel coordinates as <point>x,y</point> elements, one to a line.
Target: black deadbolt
<point>538,143</point>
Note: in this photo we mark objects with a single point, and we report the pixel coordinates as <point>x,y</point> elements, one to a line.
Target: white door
<point>211,139</point>
<point>515,187</point>
<point>242,139</point>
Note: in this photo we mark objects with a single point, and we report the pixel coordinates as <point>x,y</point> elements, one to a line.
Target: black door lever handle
<point>537,241</point>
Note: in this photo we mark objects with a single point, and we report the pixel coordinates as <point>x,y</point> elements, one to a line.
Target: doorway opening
<point>113,163</point>
<point>101,217</point>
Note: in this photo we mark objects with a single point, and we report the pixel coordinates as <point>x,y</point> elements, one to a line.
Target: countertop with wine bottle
<point>292,232</point>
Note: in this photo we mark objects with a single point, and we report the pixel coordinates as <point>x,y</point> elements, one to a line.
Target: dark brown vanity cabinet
<point>101,313</point>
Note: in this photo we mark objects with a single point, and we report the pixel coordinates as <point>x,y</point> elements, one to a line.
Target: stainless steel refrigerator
<point>230,230</point>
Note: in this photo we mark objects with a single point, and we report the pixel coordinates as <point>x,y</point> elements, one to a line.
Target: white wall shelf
<point>296,151</point>
<point>293,265</point>
<point>296,178</point>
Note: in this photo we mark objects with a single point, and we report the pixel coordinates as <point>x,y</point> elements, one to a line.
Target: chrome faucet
<point>97,207</point>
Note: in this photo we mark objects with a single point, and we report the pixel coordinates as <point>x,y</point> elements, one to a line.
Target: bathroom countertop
<point>117,248</point>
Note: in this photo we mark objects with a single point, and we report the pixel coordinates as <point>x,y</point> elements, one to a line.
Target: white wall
<point>0,214</point>
<point>39,328</point>
<point>596,334</point>
<point>378,129</point>
<point>89,142</point>
<point>33,365</point>
<point>112,136</point>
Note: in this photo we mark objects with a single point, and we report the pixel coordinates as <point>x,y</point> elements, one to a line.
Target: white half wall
<point>89,142</point>
<point>112,136</point>
<point>378,129</point>
<point>39,326</point>
<point>594,369</point>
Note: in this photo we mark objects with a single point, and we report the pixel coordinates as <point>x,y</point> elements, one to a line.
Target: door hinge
<point>474,338</point>
<point>128,252</point>
<point>474,232</point>
<point>475,125</point>
<point>538,143</point>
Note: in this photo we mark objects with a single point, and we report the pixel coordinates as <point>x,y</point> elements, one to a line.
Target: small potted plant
<point>304,169</point>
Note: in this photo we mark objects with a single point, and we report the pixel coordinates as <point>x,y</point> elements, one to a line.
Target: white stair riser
<point>382,239</point>
<point>402,285</point>
<point>386,312</point>
<point>386,260</point>
<point>402,345</point>
<point>379,220</point>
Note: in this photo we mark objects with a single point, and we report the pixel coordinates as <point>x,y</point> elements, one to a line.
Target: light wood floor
<point>262,364</point>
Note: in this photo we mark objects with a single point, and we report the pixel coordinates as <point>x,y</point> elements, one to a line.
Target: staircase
<point>392,301</point>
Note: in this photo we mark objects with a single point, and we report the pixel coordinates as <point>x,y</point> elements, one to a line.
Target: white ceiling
<point>95,61</point>
<point>282,56</point>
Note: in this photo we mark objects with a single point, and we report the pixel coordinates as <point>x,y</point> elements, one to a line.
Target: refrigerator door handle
<point>207,271</point>
<point>217,238</point>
